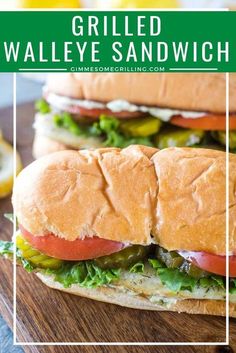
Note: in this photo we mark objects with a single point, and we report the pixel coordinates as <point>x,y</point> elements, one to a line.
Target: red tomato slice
<point>208,122</point>
<point>211,262</point>
<point>88,248</point>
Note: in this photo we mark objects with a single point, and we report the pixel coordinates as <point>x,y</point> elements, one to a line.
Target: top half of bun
<point>191,91</point>
<point>175,197</point>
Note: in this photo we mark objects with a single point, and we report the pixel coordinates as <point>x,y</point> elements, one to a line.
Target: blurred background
<point>107,4</point>
<point>27,90</point>
<point>6,137</point>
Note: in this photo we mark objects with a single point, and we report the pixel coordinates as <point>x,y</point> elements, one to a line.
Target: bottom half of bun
<point>43,145</point>
<point>115,295</point>
<point>50,138</point>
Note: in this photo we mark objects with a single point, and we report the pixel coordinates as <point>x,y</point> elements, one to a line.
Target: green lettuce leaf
<point>26,264</point>
<point>232,288</point>
<point>84,273</point>
<point>219,281</point>
<point>65,120</point>
<point>212,281</point>
<point>42,106</point>
<point>176,280</point>
<point>109,126</point>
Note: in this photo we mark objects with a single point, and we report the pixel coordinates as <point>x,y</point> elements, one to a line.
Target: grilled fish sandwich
<point>138,227</point>
<point>161,110</point>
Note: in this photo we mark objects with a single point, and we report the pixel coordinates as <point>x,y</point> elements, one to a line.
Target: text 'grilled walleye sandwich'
<point>136,227</point>
<point>160,110</point>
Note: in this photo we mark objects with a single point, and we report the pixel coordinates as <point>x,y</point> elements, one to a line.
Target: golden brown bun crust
<point>107,192</point>
<point>191,91</point>
<point>191,200</point>
<point>177,195</point>
<point>43,145</point>
<point>114,296</point>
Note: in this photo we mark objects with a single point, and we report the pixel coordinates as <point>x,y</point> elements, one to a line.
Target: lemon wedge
<point>6,167</point>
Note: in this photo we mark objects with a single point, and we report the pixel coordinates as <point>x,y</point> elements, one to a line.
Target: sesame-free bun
<point>186,91</point>
<point>85,193</point>
<point>176,194</point>
<point>43,145</point>
<point>191,204</point>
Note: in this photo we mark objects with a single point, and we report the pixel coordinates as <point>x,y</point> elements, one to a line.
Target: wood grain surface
<point>45,315</point>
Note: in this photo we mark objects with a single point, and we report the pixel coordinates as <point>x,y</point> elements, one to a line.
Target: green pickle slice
<point>170,258</point>
<point>35,257</point>
<point>141,127</point>
<point>192,270</point>
<point>173,260</point>
<point>124,258</point>
<point>220,136</point>
<point>179,138</point>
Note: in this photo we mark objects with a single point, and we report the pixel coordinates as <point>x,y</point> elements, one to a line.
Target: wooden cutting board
<point>45,315</point>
